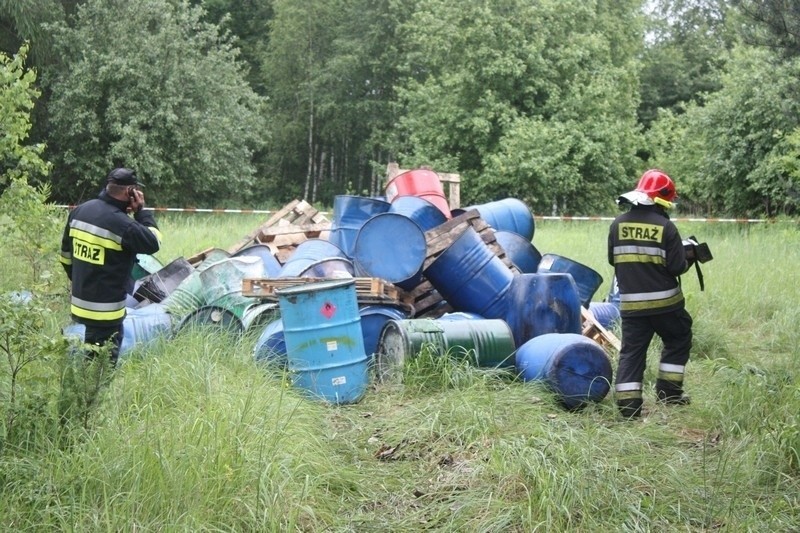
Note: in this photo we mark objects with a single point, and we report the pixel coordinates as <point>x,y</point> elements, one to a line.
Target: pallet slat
<point>265,288</point>
<point>594,330</point>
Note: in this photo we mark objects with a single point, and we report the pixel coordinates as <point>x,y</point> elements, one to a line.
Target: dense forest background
<point>561,103</point>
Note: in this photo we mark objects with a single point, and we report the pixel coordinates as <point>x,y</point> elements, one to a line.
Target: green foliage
<point>154,88</point>
<point>27,370</point>
<point>534,101</point>
<point>17,95</point>
<point>32,228</point>
<point>735,153</point>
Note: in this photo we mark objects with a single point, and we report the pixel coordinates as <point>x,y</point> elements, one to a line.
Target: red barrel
<point>421,183</point>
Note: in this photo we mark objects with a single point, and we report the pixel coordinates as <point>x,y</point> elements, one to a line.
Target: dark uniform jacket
<point>98,251</point>
<point>645,248</point>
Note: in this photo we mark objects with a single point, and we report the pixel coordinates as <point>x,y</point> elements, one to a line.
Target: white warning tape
<point>537,217</point>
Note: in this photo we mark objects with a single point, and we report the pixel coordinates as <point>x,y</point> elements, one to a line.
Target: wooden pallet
<point>289,226</point>
<point>594,330</point>
<point>374,289</point>
<point>442,236</point>
<point>426,301</point>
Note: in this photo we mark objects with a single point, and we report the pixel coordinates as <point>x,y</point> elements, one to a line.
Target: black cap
<point>123,176</point>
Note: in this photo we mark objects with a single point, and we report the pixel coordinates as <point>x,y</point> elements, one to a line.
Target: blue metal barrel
<point>392,247</point>
<point>140,327</point>
<point>349,214</point>
<point>509,214</point>
<point>543,303</point>
<point>271,345</point>
<point>271,264</point>
<point>606,313</point>
<point>575,367</point>
<point>317,258</point>
<point>471,277</point>
<point>587,280</point>
<point>425,214</point>
<point>519,250</point>
<point>324,341</point>
<point>373,319</point>
<point>460,315</point>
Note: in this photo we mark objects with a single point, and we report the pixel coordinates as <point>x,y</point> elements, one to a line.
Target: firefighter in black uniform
<point>98,251</point>
<point>648,256</point>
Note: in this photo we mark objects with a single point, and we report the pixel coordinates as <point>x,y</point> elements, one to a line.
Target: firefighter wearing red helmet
<point>647,253</point>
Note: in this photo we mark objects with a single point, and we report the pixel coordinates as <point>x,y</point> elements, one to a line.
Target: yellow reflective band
<point>674,377</point>
<point>639,258</point>
<point>94,239</point>
<point>157,233</point>
<point>97,315</point>
<point>650,304</point>
<point>628,395</point>
<point>65,260</point>
<point>633,231</point>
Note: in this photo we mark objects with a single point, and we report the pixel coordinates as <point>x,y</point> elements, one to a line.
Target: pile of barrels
<point>526,319</point>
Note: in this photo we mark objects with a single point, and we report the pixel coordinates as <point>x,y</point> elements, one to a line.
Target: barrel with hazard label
<point>324,341</point>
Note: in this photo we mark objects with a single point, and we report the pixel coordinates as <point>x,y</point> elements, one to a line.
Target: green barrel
<point>485,343</point>
<point>187,296</point>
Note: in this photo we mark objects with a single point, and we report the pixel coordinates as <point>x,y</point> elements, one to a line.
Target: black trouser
<point>99,336</point>
<point>675,330</point>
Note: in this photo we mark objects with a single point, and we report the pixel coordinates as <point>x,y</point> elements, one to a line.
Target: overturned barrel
<point>425,214</point>
<point>422,183</point>
<point>509,214</point>
<point>586,279</point>
<point>271,264</point>
<point>471,277</point>
<point>324,342</point>
<point>271,345</point>
<point>575,367</point>
<point>392,247</point>
<point>211,318</point>
<point>349,214</point>
<point>606,313</point>
<point>157,286</point>
<point>373,319</point>
<point>317,258</point>
<point>519,250</point>
<point>543,303</point>
<point>485,343</point>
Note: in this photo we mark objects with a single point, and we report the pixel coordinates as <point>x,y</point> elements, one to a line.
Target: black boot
<point>671,393</point>
<point>630,409</point>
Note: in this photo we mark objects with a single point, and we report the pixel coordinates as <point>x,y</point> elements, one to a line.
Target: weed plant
<point>191,434</point>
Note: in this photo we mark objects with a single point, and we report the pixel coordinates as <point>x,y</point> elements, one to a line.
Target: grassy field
<point>192,435</point>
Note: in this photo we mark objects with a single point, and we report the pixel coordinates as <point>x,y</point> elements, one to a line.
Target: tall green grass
<point>193,435</point>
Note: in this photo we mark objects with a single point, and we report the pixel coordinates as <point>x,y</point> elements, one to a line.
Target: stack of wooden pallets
<point>296,222</point>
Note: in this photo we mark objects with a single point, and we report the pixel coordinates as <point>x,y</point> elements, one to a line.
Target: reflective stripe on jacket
<point>645,248</point>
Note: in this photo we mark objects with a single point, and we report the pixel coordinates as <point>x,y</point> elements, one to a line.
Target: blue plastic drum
<point>271,264</point>
<point>271,345</point>
<point>575,367</point>
<point>543,303</point>
<point>587,280</point>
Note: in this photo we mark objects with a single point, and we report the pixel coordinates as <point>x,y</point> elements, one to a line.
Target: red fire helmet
<point>657,184</point>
